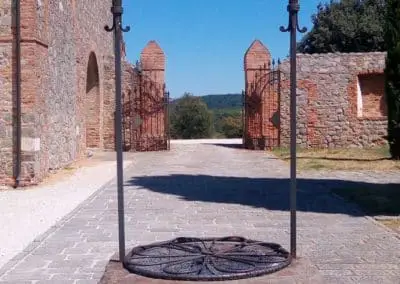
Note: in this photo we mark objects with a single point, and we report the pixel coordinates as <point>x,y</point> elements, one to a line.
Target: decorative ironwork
<point>117,11</point>
<point>293,27</point>
<point>210,259</point>
<point>146,122</point>
<point>262,107</point>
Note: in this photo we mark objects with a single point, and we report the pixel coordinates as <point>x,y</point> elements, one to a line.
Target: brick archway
<point>92,103</point>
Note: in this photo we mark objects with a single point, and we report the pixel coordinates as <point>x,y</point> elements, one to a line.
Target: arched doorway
<point>92,103</point>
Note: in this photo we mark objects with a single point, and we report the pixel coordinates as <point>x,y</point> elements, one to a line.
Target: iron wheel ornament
<point>209,259</point>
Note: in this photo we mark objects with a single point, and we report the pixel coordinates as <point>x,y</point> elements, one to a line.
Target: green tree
<point>190,118</point>
<point>220,116</point>
<point>392,75</point>
<point>232,126</point>
<point>346,26</point>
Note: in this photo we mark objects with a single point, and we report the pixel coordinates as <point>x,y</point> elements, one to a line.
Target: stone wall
<point>62,106</point>
<point>34,82</point>
<point>337,97</point>
<point>6,87</point>
<point>67,84</point>
<point>61,101</point>
<point>92,39</point>
<point>340,100</point>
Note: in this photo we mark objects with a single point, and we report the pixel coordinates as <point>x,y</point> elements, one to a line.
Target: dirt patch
<point>68,171</point>
<point>300,271</point>
<point>351,159</point>
<point>393,224</point>
<point>92,160</point>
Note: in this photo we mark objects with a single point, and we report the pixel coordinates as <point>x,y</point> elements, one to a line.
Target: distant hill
<point>223,101</point>
<point>219,102</point>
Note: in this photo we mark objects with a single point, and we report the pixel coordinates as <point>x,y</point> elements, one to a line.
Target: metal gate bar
<point>145,118</point>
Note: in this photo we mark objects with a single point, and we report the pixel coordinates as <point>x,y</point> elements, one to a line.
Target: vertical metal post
<point>169,121</point>
<point>141,111</point>
<point>279,101</point>
<point>117,12</point>
<point>166,119</point>
<point>293,27</point>
<point>243,117</point>
<point>18,106</point>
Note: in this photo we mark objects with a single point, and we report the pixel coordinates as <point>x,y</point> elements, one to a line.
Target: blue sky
<point>205,40</point>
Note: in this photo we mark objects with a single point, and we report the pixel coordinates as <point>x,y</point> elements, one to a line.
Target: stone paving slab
<point>209,190</point>
<point>28,213</point>
<point>301,271</point>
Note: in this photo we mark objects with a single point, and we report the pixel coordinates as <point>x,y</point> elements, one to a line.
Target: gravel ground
<point>26,214</point>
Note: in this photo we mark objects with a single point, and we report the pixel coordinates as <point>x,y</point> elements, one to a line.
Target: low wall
<point>340,100</point>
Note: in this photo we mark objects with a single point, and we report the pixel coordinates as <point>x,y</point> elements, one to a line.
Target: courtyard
<point>214,188</point>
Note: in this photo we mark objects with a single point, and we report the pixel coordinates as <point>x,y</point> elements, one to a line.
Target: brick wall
<point>371,88</point>
<point>340,100</point>
<point>57,40</point>
<point>331,98</point>
<point>34,89</point>
<point>143,103</point>
<point>67,84</point>
<point>6,99</point>
<point>152,128</point>
<point>261,99</point>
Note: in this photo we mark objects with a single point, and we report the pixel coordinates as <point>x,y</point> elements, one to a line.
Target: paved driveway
<point>211,190</point>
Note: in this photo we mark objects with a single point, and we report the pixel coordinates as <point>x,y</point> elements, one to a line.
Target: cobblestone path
<point>214,190</point>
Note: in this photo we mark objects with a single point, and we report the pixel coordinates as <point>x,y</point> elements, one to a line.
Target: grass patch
<point>69,168</point>
<point>341,159</point>
<point>379,199</point>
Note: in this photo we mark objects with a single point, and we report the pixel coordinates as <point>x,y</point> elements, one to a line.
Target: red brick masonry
<point>340,99</point>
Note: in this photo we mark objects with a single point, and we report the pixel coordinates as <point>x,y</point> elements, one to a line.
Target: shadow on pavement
<point>313,195</point>
<point>232,146</point>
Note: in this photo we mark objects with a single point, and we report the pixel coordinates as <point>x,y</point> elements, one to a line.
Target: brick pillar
<point>257,68</point>
<point>34,88</point>
<point>152,129</point>
<point>153,62</point>
<point>7,66</point>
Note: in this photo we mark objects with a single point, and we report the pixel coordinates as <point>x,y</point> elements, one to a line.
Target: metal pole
<point>293,9</point>
<point>117,11</point>
<point>18,154</point>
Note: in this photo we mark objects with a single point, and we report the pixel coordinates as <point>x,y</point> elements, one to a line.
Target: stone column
<point>34,88</point>
<point>7,87</point>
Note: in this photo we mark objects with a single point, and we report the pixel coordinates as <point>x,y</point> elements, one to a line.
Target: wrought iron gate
<point>261,108</point>
<point>145,115</point>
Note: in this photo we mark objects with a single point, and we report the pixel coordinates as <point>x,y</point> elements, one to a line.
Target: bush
<point>190,118</point>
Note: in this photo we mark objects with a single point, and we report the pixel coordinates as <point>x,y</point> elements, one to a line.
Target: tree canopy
<point>223,101</point>
<point>225,115</point>
<point>392,74</point>
<point>346,26</point>
<point>190,118</point>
